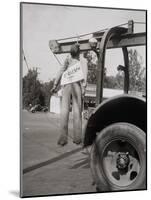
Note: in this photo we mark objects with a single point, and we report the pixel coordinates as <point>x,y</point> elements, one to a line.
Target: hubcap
<point>121,163</point>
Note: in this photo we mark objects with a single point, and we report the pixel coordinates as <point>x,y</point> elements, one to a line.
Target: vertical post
<point>101,62</point>
<point>126,71</point>
<point>100,67</point>
<point>130,26</point>
<point>25,60</point>
<point>100,73</point>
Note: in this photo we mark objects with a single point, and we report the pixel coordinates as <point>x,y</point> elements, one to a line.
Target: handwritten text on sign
<point>73,74</point>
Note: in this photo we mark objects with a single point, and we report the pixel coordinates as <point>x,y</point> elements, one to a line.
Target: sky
<point>41,23</point>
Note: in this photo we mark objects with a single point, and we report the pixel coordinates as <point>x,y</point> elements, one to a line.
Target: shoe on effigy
<point>77,140</point>
<point>63,140</point>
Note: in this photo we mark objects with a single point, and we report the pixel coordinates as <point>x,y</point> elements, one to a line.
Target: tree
<point>31,88</point>
<point>119,80</point>
<point>137,73</point>
<point>34,91</point>
<point>46,88</point>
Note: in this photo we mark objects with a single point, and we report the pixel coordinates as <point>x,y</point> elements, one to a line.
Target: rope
<point>82,35</point>
<point>140,23</point>
<point>57,59</point>
<point>122,24</point>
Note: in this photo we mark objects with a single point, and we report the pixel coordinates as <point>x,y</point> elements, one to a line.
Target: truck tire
<point>118,158</point>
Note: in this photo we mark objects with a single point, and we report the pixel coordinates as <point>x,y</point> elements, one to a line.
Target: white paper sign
<point>73,74</point>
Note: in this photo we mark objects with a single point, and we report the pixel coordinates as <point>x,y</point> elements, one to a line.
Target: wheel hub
<point>121,163</point>
<point>123,160</point>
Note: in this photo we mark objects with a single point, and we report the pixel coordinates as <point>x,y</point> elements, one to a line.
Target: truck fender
<point>122,108</point>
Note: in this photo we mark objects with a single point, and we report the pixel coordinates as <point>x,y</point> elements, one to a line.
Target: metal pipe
<point>126,71</point>
<point>115,31</point>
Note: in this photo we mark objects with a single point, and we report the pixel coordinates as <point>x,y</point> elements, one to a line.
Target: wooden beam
<point>125,40</point>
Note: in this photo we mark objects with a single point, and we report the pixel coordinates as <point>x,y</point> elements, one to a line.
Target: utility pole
<point>25,60</point>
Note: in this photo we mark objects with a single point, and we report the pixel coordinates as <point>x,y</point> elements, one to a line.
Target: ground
<point>49,169</point>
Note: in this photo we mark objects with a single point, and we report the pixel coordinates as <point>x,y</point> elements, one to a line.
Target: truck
<point>116,129</point>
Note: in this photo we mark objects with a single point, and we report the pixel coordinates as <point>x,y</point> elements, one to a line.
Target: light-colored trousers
<point>72,90</point>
